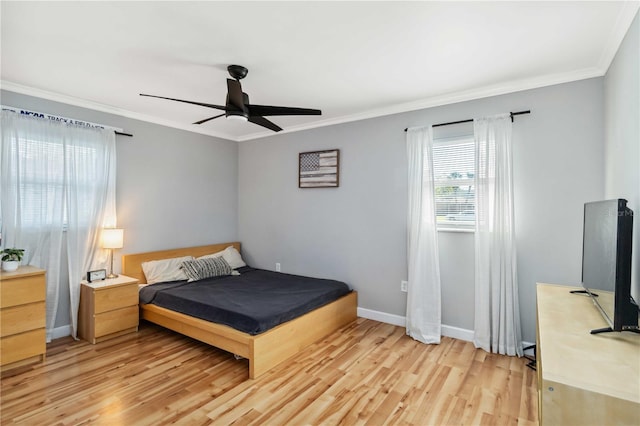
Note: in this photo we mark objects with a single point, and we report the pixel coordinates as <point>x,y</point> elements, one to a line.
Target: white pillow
<point>231,255</point>
<point>157,271</point>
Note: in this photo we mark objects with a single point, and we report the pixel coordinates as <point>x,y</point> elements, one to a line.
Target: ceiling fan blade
<point>261,121</point>
<point>208,119</point>
<point>235,94</point>
<point>278,110</point>
<point>188,102</point>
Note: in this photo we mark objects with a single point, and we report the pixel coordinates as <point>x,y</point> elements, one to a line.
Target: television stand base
<point>583,292</point>
<point>609,329</point>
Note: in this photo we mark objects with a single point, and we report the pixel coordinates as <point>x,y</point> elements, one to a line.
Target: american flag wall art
<point>319,169</point>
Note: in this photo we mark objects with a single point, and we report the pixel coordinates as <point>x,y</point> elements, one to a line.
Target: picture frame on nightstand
<point>97,275</point>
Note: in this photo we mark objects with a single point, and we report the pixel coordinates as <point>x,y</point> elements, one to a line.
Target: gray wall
<point>174,188</point>
<point>622,134</point>
<point>357,233</point>
<point>177,188</point>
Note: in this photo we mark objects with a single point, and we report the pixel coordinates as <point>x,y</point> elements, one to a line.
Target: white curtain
<point>423,295</point>
<point>497,311</point>
<point>57,176</point>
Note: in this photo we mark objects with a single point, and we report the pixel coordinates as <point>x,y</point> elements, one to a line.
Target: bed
<point>263,349</point>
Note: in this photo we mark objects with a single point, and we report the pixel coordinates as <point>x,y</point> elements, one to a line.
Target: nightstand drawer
<point>22,290</point>
<point>115,297</point>
<point>23,345</point>
<point>115,321</point>
<point>22,318</point>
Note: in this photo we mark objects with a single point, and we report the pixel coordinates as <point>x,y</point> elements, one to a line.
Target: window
<point>41,184</point>
<point>454,174</point>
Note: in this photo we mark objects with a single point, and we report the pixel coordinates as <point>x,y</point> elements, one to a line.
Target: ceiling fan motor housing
<point>237,71</point>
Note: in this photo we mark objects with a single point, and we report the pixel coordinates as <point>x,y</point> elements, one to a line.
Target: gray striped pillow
<point>197,270</point>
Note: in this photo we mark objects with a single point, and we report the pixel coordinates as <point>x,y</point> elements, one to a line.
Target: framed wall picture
<point>319,169</point>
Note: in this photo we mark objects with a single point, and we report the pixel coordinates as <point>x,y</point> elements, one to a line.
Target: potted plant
<point>11,258</point>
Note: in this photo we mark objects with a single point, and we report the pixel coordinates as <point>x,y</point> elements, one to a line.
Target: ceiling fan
<point>238,107</point>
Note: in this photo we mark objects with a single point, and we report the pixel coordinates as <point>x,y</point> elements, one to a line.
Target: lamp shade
<point>112,238</point>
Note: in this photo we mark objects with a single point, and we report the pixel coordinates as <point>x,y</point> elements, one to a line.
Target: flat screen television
<point>606,263</point>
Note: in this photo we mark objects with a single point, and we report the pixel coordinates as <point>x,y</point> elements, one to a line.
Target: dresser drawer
<point>22,318</point>
<point>112,298</point>
<point>23,345</point>
<point>114,321</point>
<point>22,290</point>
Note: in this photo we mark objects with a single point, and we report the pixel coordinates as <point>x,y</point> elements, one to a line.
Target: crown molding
<point>451,98</point>
<point>462,96</point>
<point>624,20</point>
<point>83,103</point>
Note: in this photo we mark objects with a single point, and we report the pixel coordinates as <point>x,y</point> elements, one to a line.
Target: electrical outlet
<point>404,285</point>
<point>277,267</point>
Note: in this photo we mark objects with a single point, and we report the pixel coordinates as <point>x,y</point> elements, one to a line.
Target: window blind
<point>454,174</point>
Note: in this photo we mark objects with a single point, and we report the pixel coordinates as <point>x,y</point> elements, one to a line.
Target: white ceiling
<point>352,60</point>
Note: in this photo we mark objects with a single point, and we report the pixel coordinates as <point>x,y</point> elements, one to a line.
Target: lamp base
<point>111,274</point>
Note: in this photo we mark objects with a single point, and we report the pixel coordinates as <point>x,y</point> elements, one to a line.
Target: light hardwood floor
<point>365,373</point>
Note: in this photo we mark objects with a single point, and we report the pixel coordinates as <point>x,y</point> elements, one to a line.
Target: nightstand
<point>22,317</point>
<point>108,308</point>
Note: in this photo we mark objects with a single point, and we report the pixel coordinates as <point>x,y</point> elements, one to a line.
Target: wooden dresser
<point>583,378</point>
<point>108,308</point>
<point>22,317</point>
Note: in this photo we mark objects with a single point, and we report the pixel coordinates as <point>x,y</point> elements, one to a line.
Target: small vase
<point>10,265</point>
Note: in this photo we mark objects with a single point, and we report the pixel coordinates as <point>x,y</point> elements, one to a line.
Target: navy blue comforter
<point>252,302</point>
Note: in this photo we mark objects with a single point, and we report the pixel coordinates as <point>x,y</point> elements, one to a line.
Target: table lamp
<point>112,238</point>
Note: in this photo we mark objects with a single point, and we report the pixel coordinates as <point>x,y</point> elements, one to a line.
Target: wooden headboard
<point>132,263</point>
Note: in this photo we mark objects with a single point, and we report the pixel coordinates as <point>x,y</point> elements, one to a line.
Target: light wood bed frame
<point>264,351</point>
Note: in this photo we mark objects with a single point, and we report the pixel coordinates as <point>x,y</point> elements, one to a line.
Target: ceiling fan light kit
<point>237,106</point>
<point>236,116</point>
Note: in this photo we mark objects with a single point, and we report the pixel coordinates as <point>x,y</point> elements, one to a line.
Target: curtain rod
<point>45,115</point>
<point>512,114</point>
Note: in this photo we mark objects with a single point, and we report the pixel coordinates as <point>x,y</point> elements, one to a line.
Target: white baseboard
<point>447,330</point>
<point>528,351</point>
<point>63,331</point>
<point>382,317</point>
<point>457,333</point>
